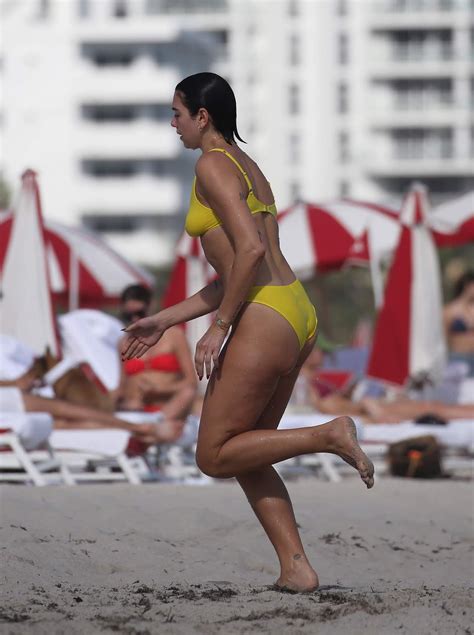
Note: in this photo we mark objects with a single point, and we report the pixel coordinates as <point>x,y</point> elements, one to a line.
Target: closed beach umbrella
<point>191,272</point>
<point>409,337</point>
<point>25,302</point>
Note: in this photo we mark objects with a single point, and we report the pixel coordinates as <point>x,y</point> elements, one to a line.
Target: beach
<point>174,559</point>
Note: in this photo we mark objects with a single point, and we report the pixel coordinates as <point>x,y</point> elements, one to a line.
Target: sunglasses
<point>130,316</point>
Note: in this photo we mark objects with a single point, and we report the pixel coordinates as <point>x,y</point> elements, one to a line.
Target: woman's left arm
<point>223,191</point>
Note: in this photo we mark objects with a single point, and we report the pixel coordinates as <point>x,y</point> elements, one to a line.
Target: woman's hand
<point>140,335</point>
<point>207,350</point>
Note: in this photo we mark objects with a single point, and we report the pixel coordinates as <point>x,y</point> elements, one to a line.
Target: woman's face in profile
<point>185,125</point>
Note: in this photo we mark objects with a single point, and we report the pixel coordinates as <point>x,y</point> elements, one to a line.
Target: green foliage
<point>343,298</point>
<point>5,194</point>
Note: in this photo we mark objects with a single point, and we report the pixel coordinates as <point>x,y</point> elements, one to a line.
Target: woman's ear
<point>202,118</point>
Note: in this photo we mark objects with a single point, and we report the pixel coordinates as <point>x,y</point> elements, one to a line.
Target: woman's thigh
<point>276,406</point>
<point>260,351</point>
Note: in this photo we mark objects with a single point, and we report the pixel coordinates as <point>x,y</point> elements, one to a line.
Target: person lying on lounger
<point>70,415</point>
<point>330,400</point>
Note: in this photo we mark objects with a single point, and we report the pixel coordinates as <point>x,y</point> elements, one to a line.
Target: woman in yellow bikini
<point>267,316</point>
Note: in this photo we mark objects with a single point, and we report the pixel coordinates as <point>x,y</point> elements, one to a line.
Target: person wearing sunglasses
<point>163,380</point>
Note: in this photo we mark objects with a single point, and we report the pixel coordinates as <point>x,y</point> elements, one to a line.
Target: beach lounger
<point>21,434</point>
<point>95,455</point>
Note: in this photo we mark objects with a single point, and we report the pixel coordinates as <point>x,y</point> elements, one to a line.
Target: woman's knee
<point>211,464</point>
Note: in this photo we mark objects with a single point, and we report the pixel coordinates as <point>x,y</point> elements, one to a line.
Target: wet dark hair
<point>463,282</point>
<point>212,92</point>
<point>136,292</point>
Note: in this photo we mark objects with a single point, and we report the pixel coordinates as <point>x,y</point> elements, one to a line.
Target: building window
<point>415,94</point>
<point>344,152</point>
<point>344,188</point>
<point>83,8</point>
<point>295,50</point>
<point>342,98</point>
<point>294,99</point>
<point>293,8</point>
<point>427,144</point>
<point>295,148</point>
<point>44,9</point>
<point>125,112</point>
<point>295,192</point>
<point>341,7</point>
<point>414,46</point>
<point>343,48</point>
<point>120,9</point>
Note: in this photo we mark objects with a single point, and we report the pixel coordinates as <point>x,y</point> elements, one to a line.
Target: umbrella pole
<point>375,265</point>
<point>73,280</point>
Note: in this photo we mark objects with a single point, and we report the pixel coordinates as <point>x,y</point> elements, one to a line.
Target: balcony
<point>135,140</point>
<point>153,26</point>
<point>142,193</point>
<point>141,82</point>
<point>392,15</point>
<point>421,117</point>
<point>389,166</point>
<point>425,67</point>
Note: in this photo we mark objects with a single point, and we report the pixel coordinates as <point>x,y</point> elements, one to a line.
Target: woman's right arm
<point>205,301</point>
<point>146,332</point>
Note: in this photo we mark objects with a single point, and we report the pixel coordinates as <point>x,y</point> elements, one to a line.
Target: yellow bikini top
<point>201,218</point>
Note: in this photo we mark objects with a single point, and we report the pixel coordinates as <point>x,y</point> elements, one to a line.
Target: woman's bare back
<point>274,269</point>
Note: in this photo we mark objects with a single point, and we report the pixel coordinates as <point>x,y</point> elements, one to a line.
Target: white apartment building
<point>357,97</point>
<point>335,98</point>
<point>87,103</point>
<point>413,99</point>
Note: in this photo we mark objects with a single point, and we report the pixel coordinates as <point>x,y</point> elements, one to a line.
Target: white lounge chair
<point>25,454</point>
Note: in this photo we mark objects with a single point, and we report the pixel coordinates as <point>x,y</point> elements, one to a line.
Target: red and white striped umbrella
<point>326,237</point>
<point>409,336</point>
<point>452,223</point>
<point>84,271</point>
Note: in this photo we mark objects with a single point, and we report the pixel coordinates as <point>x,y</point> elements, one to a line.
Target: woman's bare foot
<point>300,576</point>
<point>342,436</point>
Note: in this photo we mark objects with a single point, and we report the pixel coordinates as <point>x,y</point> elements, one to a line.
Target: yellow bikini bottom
<point>292,303</point>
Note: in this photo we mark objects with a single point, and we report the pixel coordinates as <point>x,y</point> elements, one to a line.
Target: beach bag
<point>419,457</point>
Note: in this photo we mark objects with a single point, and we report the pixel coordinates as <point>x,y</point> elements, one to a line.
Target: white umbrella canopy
<point>26,303</point>
<point>409,339</point>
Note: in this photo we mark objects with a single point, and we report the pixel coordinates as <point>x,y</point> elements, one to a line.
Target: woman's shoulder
<point>210,161</point>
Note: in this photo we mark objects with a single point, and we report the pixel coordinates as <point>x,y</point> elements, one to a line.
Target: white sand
<point>174,559</point>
